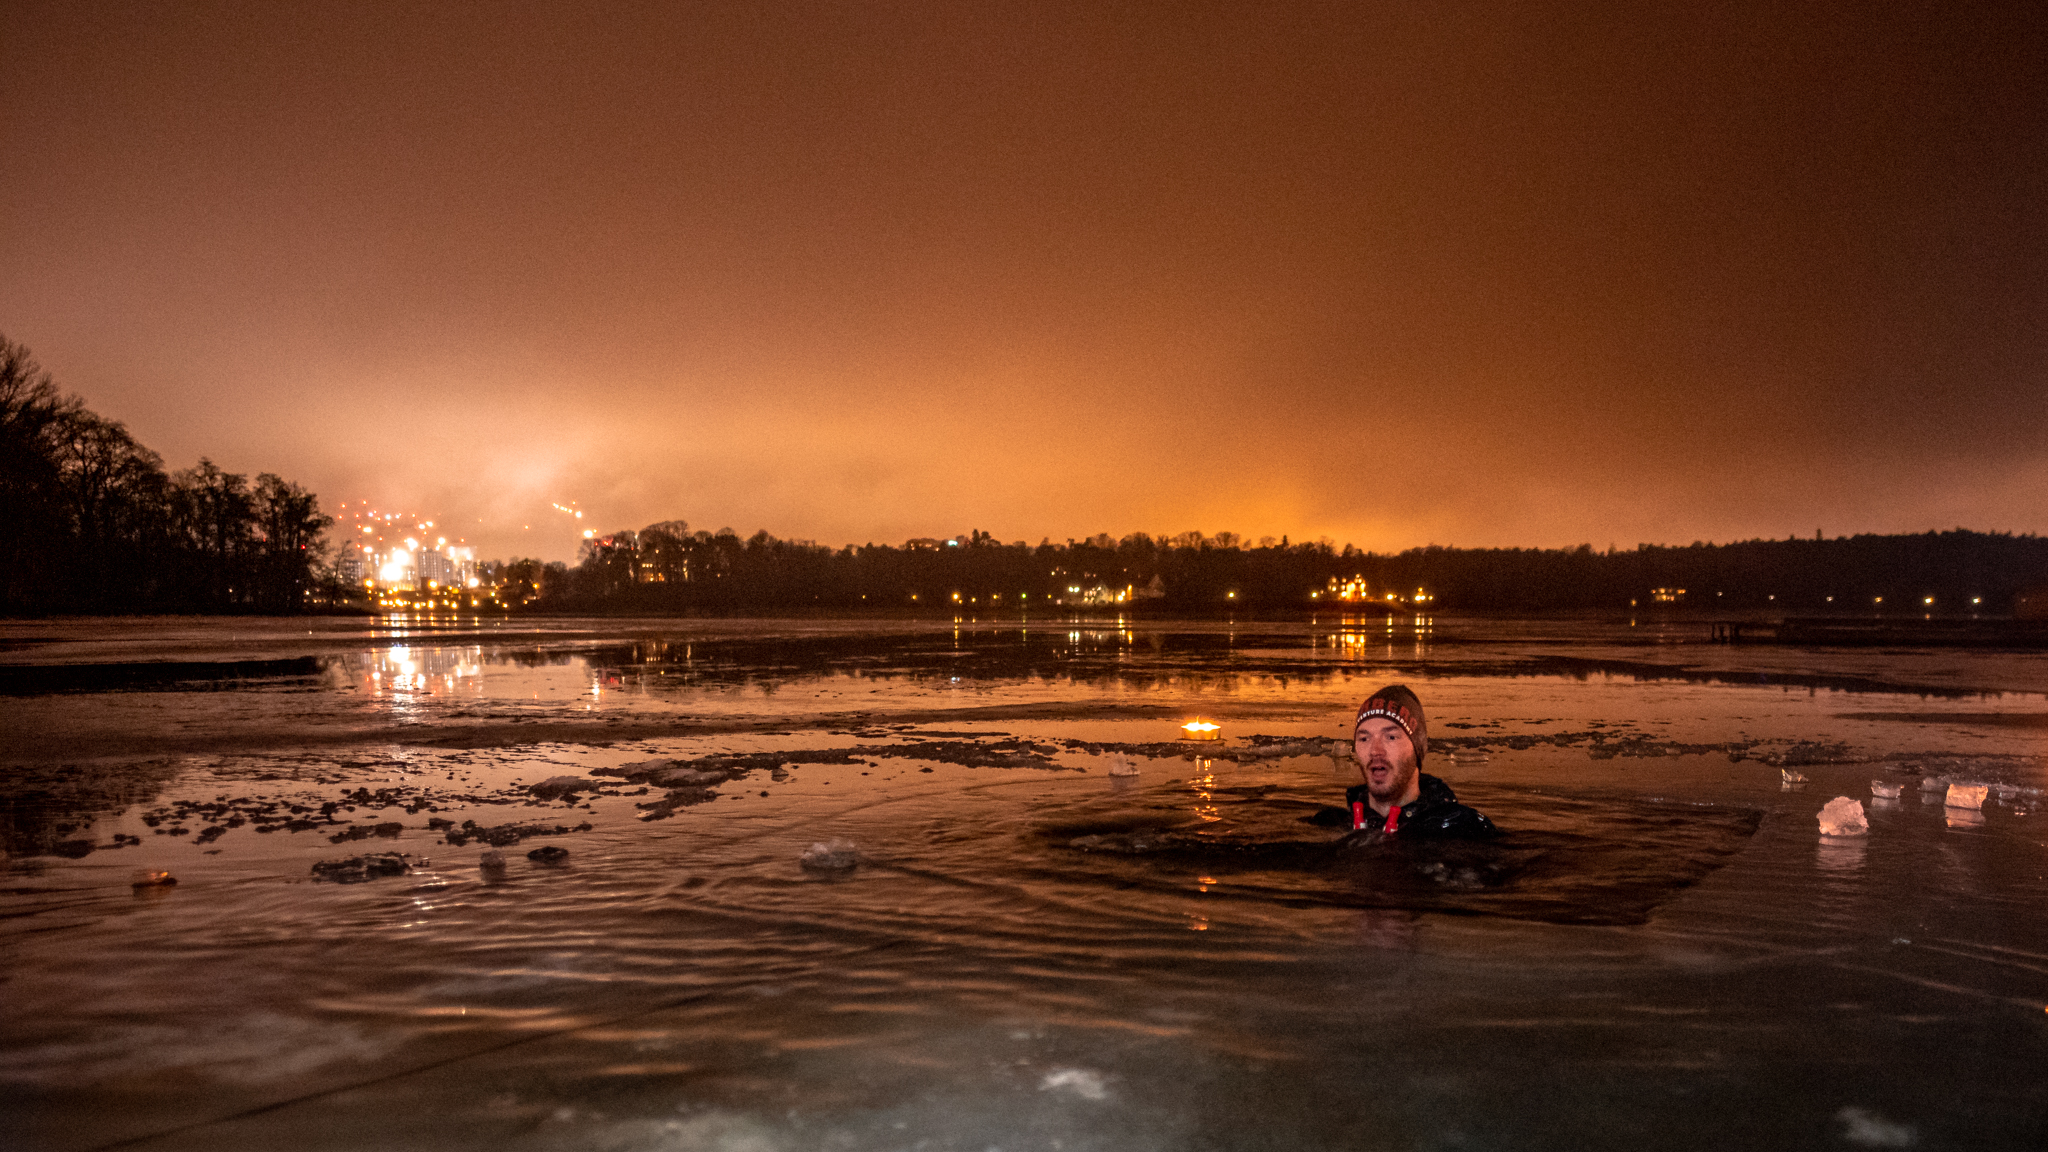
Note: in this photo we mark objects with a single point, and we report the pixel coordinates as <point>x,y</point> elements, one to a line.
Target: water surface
<point>1029,952</point>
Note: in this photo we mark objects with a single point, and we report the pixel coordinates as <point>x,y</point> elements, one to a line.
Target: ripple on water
<point>1019,957</point>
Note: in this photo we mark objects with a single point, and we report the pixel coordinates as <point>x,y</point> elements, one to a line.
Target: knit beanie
<point>1397,703</point>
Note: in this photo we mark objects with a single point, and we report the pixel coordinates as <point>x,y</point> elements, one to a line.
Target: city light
<point>1354,591</point>
<point>408,573</point>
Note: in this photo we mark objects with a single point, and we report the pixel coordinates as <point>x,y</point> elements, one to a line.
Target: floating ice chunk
<point>1120,765</point>
<point>1862,1126</point>
<point>1965,796</point>
<point>556,787</point>
<point>690,777</point>
<point>1884,791</point>
<point>830,856</point>
<point>357,869</point>
<point>1843,816</point>
<point>1081,1082</point>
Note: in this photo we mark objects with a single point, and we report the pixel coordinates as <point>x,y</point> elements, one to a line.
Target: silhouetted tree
<point>89,521</point>
<point>32,415</point>
<point>288,527</point>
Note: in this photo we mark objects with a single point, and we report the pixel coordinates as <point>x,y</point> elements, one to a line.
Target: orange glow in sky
<point>1512,275</point>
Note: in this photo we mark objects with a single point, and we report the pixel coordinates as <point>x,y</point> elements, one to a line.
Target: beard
<point>1395,782</point>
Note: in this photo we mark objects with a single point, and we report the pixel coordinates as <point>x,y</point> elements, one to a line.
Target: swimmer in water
<point>1390,736</point>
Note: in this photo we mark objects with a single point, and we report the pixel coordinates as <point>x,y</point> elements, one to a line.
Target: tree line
<point>666,567</point>
<point>90,521</point>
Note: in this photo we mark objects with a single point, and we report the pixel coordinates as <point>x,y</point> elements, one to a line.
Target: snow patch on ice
<point>1862,1126</point>
<point>712,1132</point>
<point>1081,1082</point>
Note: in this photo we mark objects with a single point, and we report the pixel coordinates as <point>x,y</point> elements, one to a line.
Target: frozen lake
<point>1028,952</point>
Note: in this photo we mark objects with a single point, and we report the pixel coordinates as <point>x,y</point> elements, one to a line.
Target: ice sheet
<point>1033,951</point>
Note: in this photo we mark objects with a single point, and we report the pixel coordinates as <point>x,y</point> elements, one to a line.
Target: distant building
<point>433,568</point>
<point>444,567</point>
<point>1099,593</point>
<point>1349,591</point>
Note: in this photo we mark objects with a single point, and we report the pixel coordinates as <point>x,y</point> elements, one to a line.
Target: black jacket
<point>1435,813</point>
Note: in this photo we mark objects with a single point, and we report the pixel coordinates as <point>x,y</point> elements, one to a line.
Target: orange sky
<point>1466,274</point>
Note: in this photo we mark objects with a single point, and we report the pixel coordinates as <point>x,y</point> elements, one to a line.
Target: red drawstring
<point>1358,817</point>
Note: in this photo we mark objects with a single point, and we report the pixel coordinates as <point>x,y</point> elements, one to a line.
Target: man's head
<point>1390,736</point>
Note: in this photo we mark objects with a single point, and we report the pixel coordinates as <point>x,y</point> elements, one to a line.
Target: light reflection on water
<point>1025,957</point>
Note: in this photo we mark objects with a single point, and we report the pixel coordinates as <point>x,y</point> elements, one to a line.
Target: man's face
<point>1387,757</point>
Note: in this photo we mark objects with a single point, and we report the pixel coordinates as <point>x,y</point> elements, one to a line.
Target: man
<point>1390,736</point>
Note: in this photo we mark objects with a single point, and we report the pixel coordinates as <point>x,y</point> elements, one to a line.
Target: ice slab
<point>1843,816</point>
<point>1966,795</point>
<point>830,856</point>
